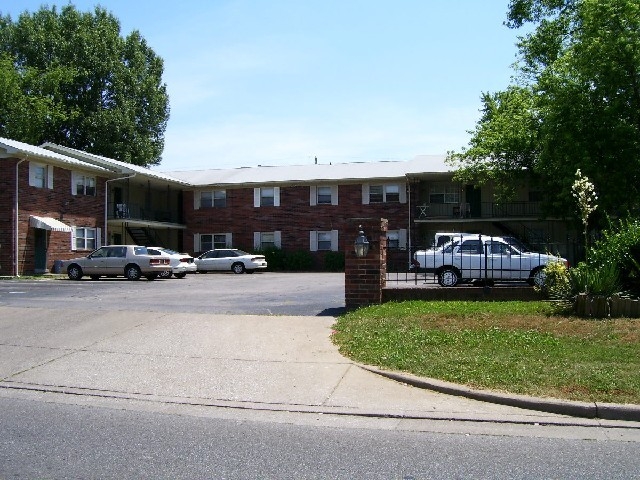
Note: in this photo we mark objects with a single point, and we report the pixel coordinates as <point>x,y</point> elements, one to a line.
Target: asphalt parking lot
<point>266,293</point>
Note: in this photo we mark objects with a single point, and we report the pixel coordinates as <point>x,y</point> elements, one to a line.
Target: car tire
<point>94,277</point>
<point>448,277</point>
<point>179,275</point>
<point>132,272</point>
<point>237,267</point>
<point>74,272</point>
<point>166,274</point>
<point>537,277</point>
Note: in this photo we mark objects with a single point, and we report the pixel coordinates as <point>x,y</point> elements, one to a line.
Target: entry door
<point>40,238</point>
<point>473,195</point>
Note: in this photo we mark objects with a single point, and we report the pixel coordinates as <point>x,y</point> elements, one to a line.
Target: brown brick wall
<point>59,203</point>
<point>295,218</point>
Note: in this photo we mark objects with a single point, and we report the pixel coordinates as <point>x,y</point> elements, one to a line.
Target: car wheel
<point>74,272</point>
<point>94,277</point>
<point>166,274</point>
<point>179,275</point>
<point>237,267</point>
<point>132,272</point>
<point>537,277</point>
<point>448,277</point>
<point>151,276</point>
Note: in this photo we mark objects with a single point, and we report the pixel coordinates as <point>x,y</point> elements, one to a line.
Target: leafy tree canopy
<point>575,104</point>
<point>70,78</point>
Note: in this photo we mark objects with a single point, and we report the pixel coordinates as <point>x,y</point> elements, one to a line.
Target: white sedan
<point>225,259</point>
<point>181,263</point>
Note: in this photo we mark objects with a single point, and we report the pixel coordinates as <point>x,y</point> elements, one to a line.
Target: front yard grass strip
<point>517,347</point>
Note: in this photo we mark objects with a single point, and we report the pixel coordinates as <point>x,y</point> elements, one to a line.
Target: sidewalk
<point>275,363</point>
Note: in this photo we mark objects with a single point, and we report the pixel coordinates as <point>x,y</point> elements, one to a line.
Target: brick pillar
<point>365,277</point>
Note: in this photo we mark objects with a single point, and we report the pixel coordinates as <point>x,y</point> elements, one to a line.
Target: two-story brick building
<point>92,199</point>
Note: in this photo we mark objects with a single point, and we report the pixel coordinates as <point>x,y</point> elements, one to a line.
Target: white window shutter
<point>257,244</point>
<point>365,194</point>
<point>402,190</point>
<point>32,175</point>
<point>334,240</point>
<point>196,242</point>
<point>313,241</point>
<point>313,195</point>
<point>334,195</point>
<point>196,200</point>
<point>98,237</point>
<point>73,183</point>
<point>256,197</point>
<point>277,238</point>
<point>276,196</point>
<point>50,176</point>
<point>73,238</point>
<point>402,238</point>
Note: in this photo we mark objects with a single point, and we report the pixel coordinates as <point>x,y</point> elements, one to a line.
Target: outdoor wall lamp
<point>361,245</point>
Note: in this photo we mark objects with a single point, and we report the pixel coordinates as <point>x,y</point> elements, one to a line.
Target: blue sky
<point>280,82</point>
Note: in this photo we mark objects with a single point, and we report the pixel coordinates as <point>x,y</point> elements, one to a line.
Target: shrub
<point>557,281</point>
<point>300,260</point>
<point>334,261</point>
<point>595,280</point>
<point>275,258</point>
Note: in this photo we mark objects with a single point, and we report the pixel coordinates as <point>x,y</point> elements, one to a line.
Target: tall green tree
<point>72,79</point>
<point>575,105</point>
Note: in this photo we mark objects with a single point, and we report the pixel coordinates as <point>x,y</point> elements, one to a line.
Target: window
<point>265,240</point>
<point>85,238</point>
<point>266,197</point>
<point>444,193</point>
<point>215,198</point>
<point>40,176</point>
<point>385,193</point>
<point>210,241</point>
<point>471,246</point>
<point>397,239</point>
<point>323,241</point>
<point>323,195</point>
<point>83,185</point>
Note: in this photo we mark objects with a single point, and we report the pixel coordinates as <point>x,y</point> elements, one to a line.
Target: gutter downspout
<point>16,224</point>
<point>106,203</point>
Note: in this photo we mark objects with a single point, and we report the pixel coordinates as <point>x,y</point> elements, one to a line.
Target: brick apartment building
<point>58,203</point>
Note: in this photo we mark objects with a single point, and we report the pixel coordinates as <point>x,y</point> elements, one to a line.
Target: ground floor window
<point>211,241</point>
<point>85,238</point>
<point>323,240</point>
<point>266,240</point>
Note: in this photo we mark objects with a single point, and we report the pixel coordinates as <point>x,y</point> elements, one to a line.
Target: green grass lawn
<point>518,347</point>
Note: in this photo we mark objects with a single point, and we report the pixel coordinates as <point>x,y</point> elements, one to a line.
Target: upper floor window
<point>384,193</point>
<point>444,193</point>
<point>83,185</point>
<point>397,239</point>
<point>215,198</point>
<point>266,197</point>
<point>323,195</point>
<point>40,176</point>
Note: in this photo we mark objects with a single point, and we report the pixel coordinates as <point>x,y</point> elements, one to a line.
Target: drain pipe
<point>106,203</point>
<point>16,224</point>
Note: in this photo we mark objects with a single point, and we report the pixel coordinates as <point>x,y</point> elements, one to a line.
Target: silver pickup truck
<point>469,257</point>
<point>130,261</point>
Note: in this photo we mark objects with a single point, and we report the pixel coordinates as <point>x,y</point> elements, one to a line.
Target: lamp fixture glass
<point>361,245</point>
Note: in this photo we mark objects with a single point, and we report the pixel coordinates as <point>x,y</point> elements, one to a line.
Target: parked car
<point>130,261</point>
<point>232,259</point>
<point>181,263</point>
<point>481,257</point>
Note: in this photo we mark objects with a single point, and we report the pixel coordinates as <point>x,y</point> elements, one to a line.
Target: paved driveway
<point>267,293</point>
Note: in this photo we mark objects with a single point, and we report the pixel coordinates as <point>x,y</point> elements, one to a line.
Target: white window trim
<point>197,245</point>
<point>402,238</point>
<point>74,236</point>
<point>197,197</point>
<point>257,239</point>
<point>257,196</point>
<point>313,240</point>
<point>313,195</point>
<point>74,178</point>
<point>48,172</point>
<point>402,192</point>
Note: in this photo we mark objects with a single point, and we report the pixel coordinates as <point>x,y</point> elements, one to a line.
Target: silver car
<point>232,259</point>
<point>130,261</point>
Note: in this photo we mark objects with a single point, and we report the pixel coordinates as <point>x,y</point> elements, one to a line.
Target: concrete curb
<point>605,411</point>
